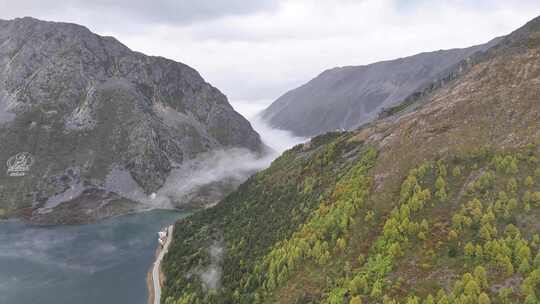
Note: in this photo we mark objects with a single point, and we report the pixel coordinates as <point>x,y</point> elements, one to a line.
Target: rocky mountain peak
<point>87,104</point>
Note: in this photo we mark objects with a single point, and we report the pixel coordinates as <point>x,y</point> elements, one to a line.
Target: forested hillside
<point>438,203</point>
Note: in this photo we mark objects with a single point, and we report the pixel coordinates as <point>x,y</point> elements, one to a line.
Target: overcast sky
<point>256,50</point>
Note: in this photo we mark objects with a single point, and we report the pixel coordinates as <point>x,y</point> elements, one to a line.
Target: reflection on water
<point>101,263</point>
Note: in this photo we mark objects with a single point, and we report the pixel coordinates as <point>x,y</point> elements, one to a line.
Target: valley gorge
<point>129,178</point>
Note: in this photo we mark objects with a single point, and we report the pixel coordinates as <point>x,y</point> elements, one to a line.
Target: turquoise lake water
<point>105,262</point>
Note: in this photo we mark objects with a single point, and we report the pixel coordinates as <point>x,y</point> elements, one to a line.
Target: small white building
<point>162,237</point>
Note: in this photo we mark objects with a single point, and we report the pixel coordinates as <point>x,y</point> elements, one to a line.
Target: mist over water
<point>105,262</point>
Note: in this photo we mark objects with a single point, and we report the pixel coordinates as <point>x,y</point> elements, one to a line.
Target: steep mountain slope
<point>438,203</point>
<point>346,97</point>
<point>100,122</point>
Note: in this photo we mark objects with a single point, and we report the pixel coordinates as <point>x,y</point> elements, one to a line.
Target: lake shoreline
<point>105,262</point>
<point>149,280</point>
<point>28,220</point>
<point>159,255</point>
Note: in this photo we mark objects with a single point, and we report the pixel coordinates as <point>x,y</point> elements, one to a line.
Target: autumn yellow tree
<point>483,298</point>
<point>356,300</point>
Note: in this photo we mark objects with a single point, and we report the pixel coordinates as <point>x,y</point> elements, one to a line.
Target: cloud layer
<point>123,12</point>
<point>219,170</point>
<point>257,50</point>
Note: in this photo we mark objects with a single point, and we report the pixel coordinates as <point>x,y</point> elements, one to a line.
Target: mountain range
<point>343,98</point>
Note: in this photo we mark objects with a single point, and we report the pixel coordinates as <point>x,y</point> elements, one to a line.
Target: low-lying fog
<point>202,181</point>
<point>226,168</point>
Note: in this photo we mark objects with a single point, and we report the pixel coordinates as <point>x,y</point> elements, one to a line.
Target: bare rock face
<point>82,105</point>
<point>347,97</point>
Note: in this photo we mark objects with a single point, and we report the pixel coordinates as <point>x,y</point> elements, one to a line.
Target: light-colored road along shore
<point>156,284</point>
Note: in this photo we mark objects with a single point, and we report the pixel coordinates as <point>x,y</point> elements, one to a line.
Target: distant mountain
<point>347,97</point>
<point>94,117</point>
<point>437,202</point>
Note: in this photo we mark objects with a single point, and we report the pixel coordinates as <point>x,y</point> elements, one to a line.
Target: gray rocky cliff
<point>84,105</point>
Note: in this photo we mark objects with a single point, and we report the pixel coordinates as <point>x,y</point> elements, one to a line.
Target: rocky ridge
<point>99,119</point>
<point>343,98</point>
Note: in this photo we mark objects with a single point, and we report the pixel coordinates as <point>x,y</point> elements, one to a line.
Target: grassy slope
<point>321,224</point>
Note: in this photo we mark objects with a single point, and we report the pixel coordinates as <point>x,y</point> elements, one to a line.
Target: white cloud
<point>123,12</point>
<point>261,55</point>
